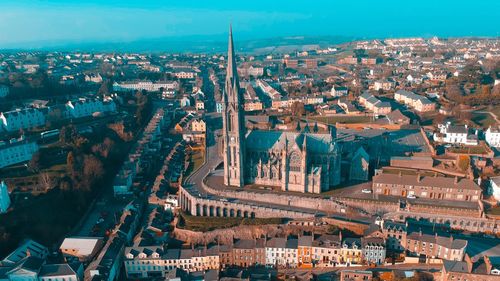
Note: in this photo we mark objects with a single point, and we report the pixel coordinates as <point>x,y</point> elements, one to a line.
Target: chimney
<point>400,174</point>
<point>340,236</point>
<point>28,253</point>
<point>456,179</point>
<point>419,177</point>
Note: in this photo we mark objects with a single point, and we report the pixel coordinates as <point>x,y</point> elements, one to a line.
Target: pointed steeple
<point>232,70</point>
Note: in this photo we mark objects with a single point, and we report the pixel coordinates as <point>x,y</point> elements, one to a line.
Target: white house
<point>492,136</point>
<point>275,251</point>
<point>4,198</point>
<point>16,151</point>
<point>22,119</point>
<point>338,91</point>
<point>495,187</point>
<point>84,107</point>
<point>455,135</point>
<point>145,85</point>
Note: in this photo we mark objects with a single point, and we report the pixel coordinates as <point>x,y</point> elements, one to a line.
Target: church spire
<point>232,70</point>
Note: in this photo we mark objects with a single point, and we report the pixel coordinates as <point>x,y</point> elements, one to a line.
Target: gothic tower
<point>233,123</point>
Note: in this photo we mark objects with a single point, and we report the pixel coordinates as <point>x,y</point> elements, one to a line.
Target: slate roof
<point>277,140</point>
<point>455,266</point>
<point>56,270</point>
<point>443,182</point>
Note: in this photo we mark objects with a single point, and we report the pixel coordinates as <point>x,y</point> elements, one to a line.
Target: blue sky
<point>49,21</point>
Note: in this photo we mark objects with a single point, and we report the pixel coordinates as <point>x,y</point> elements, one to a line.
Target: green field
<point>196,159</point>
<point>203,224</point>
<point>469,150</point>
<point>483,119</point>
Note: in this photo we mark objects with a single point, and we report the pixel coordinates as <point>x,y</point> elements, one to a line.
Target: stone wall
<point>327,205</point>
<point>198,206</point>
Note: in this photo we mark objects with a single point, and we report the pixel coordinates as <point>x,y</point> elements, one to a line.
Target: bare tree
<point>46,181</point>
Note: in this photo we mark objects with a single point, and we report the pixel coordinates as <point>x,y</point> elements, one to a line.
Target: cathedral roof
<point>277,140</point>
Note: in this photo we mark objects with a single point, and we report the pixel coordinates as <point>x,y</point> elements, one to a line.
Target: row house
<point>429,187</point>
<point>93,78</point>
<point>326,250</point>
<point>492,136</point>
<point>156,261</point>
<point>374,104</point>
<point>145,85</point>
<point>288,102</point>
<point>398,238</point>
<point>147,145</point>
<point>383,84</point>
<point>305,251</point>
<point>22,119</point>
<point>374,250</point>
<point>252,101</point>
<point>482,269</point>
<point>247,252</point>
<point>255,71</point>
<point>351,251</point>
<point>16,151</point>
<point>268,90</point>
<point>338,91</point>
<point>454,134</point>
<point>198,125</point>
<point>395,235</point>
<point>281,252</point>
<point>435,246</point>
<point>85,107</point>
<point>417,102</point>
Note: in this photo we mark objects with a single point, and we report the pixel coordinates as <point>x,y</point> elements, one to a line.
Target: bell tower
<point>233,122</point>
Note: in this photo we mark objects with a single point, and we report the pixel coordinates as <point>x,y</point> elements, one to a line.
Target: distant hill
<point>194,44</point>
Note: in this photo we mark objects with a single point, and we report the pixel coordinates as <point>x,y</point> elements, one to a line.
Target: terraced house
<point>429,187</point>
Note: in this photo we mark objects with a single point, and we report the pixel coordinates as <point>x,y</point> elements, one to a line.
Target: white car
<point>366,190</point>
<point>411,196</point>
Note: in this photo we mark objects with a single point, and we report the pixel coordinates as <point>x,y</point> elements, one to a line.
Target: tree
<point>297,109</point>
<point>46,181</point>
<point>463,162</point>
<point>105,88</point>
<point>298,126</point>
<point>35,162</point>
<point>93,169</point>
<point>68,134</point>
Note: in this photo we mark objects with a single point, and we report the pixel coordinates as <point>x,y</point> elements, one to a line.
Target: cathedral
<point>292,161</point>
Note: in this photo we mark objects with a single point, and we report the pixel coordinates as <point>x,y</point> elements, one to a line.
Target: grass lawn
<point>195,161</point>
<point>495,211</point>
<point>342,119</point>
<point>203,224</point>
<point>496,110</point>
<point>469,150</point>
<point>483,119</point>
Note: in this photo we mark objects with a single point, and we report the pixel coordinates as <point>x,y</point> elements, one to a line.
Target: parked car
<point>366,190</point>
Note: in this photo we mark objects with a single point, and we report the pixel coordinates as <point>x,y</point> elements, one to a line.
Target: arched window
<point>229,121</point>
